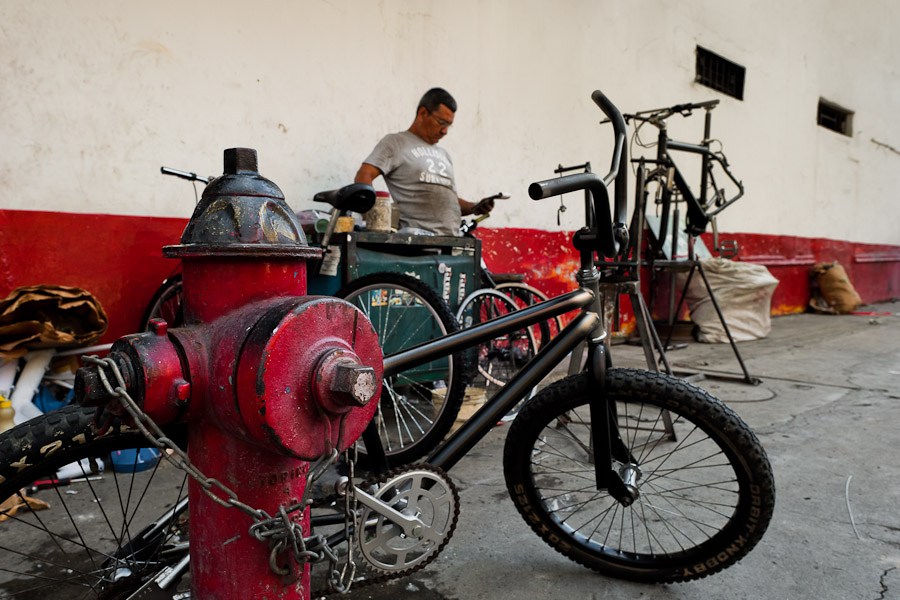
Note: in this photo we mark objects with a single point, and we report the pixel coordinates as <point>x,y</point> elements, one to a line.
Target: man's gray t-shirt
<point>420,179</point>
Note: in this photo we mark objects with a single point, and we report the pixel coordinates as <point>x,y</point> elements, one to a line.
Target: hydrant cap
<point>242,212</point>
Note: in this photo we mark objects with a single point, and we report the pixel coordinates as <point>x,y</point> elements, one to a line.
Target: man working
<point>418,173</point>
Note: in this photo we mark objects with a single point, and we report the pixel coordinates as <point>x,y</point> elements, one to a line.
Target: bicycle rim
<point>167,304</point>
<point>98,538</point>
<point>706,491</point>
<point>499,359</point>
<point>524,296</point>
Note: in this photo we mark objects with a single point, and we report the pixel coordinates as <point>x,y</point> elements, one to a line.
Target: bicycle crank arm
<point>411,526</point>
<point>155,589</point>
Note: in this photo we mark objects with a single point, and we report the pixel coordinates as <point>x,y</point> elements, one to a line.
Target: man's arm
<point>367,173</point>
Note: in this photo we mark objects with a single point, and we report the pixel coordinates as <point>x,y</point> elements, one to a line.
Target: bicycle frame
<point>588,325</point>
<point>697,215</point>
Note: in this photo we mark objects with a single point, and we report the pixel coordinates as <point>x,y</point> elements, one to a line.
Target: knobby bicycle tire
<point>418,406</point>
<point>98,538</point>
<point>706,489</point>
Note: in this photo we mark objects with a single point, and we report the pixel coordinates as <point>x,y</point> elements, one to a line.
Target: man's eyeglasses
<point>441,122</point>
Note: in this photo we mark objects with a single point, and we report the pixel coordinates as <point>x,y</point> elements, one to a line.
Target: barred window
<point>834,117</point>
<point>720,73</point>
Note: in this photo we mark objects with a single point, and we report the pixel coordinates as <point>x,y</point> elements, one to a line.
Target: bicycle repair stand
<point>692,264</point>
<point>623,277</point>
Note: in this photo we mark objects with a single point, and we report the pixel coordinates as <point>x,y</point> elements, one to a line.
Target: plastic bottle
<point>36,363</point>
<point>7,412</point>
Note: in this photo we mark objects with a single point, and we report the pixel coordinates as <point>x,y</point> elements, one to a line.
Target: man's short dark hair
<point>433,99</point>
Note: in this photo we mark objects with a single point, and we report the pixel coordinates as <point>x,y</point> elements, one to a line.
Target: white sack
<point>744,293</point>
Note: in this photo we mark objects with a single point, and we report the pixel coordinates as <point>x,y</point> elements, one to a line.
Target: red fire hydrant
<point>266,377</point>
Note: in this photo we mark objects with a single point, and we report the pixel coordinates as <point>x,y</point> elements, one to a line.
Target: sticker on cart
<point>378,298</point>
<point>462,288</point>
<point>331,261</point>
<point>448,276</point>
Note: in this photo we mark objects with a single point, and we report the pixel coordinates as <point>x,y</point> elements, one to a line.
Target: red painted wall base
<point>116,258</point>
<point>550,263</point>
<point>119,260</point>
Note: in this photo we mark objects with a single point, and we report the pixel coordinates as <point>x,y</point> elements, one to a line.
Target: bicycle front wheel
<point>418,406</point>
<point>102,534</point>
<point>705,487</point>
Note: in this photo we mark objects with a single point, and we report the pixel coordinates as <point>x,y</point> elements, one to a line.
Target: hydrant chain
<point>145,424</point>
<point>280,531</point>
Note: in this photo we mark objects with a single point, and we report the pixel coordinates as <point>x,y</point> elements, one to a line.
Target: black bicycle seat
<point>358,197</point>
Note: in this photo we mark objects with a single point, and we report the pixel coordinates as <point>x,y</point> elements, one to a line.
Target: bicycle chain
<point>382,479</point>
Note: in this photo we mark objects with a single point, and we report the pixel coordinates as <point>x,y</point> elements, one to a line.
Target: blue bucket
<point>134,460</point>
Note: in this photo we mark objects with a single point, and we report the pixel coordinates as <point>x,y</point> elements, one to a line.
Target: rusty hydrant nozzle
<point>89,389</point>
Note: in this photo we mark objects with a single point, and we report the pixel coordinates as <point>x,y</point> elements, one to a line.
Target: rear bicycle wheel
<point>167,303</point>
<point>102,537</point>
<point>495,361</point>
<point>418,406</point>
<point>705,487</point>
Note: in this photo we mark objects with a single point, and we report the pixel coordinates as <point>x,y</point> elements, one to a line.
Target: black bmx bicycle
<point>635,474</point>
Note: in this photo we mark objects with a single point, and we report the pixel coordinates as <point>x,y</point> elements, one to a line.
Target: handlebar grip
<point>562,185</point>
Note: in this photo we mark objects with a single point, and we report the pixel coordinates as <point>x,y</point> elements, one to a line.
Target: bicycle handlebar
<point>184,174</point>
<point>656,114</point>
<point>607,223</point>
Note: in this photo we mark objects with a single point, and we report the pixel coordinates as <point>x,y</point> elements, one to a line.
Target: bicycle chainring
<point>419,491</point>
<point>387,555</point>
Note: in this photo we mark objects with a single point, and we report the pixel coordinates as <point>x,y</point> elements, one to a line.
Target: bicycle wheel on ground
<point>706,490</point>
<point>524,295</point>
<point>165,304</point>
<point>99,537</point>
<point>494,362</point>
<point>418,406</point>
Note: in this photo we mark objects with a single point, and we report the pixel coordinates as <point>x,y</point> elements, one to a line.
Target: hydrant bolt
<point>356,380</point>
<point>182,392</point>
<point>159,326</point>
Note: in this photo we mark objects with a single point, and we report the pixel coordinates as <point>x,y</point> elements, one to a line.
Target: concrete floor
<point>827,412</point>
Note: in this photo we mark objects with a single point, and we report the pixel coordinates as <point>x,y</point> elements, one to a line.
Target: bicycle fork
<point>606,441</point>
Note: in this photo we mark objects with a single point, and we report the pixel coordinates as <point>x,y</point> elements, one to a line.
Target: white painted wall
<point>96,95</point>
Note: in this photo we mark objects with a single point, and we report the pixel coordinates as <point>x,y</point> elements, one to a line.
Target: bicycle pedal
<point>728,249</point>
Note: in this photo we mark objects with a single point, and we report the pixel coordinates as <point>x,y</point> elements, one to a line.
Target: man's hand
<point>482,207</point>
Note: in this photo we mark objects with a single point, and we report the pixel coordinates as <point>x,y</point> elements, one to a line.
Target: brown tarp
<point>49,316</point>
